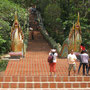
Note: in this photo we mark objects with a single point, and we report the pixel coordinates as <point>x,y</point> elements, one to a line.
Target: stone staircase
<point>33,70</point>
<point>44,82</point>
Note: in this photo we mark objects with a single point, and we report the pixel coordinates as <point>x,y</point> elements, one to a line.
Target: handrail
<point>44,32</point>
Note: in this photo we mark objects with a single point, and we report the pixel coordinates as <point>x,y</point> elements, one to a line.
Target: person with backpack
<point>52,61</point>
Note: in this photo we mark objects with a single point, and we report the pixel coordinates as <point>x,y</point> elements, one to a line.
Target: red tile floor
<point>33,71</point>
<point>35,61</point>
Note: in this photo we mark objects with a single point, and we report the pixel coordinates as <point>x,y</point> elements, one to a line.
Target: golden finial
<point>78,18</point>
<point>16,16</point>
<point>16,23</point>
<point>77,24</point>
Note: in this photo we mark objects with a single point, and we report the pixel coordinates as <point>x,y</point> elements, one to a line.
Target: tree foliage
<point>68,10</point>
<point>58,16</point>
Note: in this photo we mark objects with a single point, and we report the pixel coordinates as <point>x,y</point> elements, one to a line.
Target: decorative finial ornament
<point>16,23</point>
<point>73,41</point>
<point>77,24</point>
<point>78,38</point>
<point>15,15</point>
<point>78,18</point>
<point>16,36</point>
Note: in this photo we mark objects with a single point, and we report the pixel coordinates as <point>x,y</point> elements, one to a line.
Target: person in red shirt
<point>82,47</point>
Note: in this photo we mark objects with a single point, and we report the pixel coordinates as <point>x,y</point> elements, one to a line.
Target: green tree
<point>53,22</point>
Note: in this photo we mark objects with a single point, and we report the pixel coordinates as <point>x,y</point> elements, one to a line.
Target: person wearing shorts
<point>71,61</point>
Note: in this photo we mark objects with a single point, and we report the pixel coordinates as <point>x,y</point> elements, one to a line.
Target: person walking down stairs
<point>32,33</point>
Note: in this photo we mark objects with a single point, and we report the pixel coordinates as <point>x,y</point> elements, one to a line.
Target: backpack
<point>50,59</point>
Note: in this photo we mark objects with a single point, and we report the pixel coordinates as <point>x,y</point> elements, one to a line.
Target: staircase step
<point>45,85</point>
<point>44,82</point>
<point>44,79</point>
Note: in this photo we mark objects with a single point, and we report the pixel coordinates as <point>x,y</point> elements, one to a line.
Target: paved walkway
<point>35,62</point>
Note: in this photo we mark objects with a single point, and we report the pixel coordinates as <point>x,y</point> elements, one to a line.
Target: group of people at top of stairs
<point>83,57</point>
<point>33,21</point>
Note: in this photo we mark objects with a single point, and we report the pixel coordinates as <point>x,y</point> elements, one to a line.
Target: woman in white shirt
<point>53,64</point>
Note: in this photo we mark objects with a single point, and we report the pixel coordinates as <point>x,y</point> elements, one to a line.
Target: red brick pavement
<point>44,82</point>
<point>35,61</point>
<point>33,70</point>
